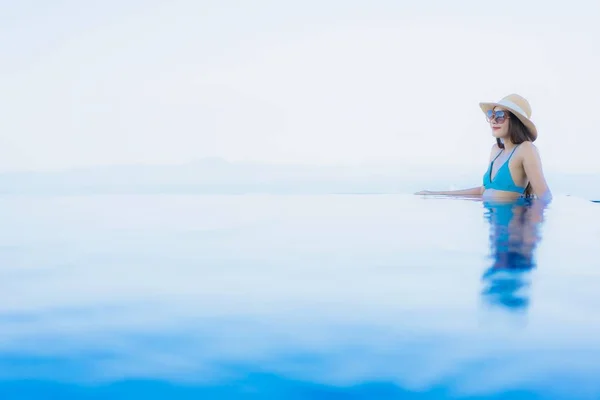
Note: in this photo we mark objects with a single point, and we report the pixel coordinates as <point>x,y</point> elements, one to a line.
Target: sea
<point>298,296</point>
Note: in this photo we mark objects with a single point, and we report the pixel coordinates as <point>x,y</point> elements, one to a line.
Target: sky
<point>312,82</point>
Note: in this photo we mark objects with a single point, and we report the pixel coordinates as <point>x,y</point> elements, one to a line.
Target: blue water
<point>375,296</point>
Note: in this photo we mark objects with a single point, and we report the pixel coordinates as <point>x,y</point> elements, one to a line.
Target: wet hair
<point>518,133</point>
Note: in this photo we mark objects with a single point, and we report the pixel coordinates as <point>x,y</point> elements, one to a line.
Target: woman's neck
<point>508,145</point>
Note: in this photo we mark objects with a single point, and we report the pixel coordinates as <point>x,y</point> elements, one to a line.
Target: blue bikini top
<point>503,179</point>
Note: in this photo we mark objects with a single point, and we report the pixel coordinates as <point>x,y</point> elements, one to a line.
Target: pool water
<point>275,296</point>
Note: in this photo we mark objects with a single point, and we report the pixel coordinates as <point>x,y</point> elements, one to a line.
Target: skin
<point>525,166</point>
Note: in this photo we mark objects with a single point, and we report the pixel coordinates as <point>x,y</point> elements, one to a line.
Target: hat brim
<point>526,121</point>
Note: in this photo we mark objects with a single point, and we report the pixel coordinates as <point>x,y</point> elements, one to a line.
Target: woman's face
<point>499,123</point>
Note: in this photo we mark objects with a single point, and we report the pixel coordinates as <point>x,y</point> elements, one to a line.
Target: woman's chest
<point>507,169</point>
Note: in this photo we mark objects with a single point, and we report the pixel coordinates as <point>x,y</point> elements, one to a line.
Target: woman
<point>515,168</point>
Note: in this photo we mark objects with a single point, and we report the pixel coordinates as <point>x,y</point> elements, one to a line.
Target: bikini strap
<point>498,155</point>
<point>512,152</point>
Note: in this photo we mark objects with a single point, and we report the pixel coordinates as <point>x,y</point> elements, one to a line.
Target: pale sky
<point>336,82</point>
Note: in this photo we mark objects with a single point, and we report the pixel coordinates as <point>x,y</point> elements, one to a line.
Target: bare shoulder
<point>494,150</point>
<point>528,149</point>
<point>528,145</point>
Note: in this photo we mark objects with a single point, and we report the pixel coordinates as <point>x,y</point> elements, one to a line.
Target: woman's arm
<point>475,191</point>
<point>532,164</point>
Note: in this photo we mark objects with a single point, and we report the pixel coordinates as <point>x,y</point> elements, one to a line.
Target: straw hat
<point>519,106</point>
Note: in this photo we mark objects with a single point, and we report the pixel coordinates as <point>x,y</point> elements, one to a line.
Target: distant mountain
<point>214,175</point>
<point>218,176</point>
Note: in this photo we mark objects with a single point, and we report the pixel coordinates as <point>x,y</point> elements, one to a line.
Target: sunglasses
<point>500,116</point>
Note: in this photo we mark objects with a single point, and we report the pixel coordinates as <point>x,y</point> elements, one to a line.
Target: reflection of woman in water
<point>514,236</point>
